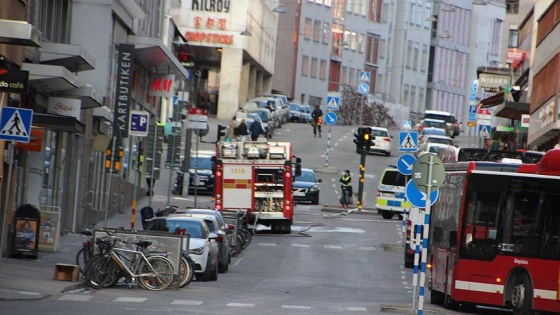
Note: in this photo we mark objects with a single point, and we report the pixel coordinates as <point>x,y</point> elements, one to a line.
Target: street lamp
<point>279,9</point>
<point>246,33</point>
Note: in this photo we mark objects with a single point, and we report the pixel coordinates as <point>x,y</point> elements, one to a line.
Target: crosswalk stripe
<point>298,307</point>
<point>127,299</point>
<point>73,297</point>
<point>268,244</point>
<point>332,246</point>
<point>300,245</point>
<point>240,304</point>
<point>186,302</point>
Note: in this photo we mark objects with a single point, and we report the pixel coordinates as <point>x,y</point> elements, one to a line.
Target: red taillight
<point>220,238</point>
<point>387,139</point>
<point>378,193</point>
<point>85,244</point>
<point>408,229</point>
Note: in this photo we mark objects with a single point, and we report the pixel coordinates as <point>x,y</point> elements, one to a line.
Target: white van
<point>391,193</point>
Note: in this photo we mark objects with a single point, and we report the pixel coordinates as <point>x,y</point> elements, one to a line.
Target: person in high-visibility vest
<point>346,187</point>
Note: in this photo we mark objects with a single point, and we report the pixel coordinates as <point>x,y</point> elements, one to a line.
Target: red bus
<point>495,238</point>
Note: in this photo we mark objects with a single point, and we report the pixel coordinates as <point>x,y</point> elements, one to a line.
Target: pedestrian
<point>232,129</point>
<point>256,130</point>
<point>242,130</point>
<point>346,187</point>
<point>205,101</point>
<point>317,115</point>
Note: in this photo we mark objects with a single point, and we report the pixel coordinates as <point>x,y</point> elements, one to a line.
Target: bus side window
<point>551,248</point>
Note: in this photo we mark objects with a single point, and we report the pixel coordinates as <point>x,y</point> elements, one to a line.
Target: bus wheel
<point>436,297</point>
<point>449,303</point>
<point>522,295</point>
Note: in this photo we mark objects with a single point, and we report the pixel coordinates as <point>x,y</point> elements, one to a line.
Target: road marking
<point>28,293</point>
<point>72,297</point>
<point>369,176</point>
<point>367,248</point>
<point>186,302</point>
<point>240,305</point>
<point>300,245</point>
<point>125,299</point>
<point>238,260</point>
<point>268,244</point>
<point>298,307</point>
<point>332,246</point>
<point>355,309</point>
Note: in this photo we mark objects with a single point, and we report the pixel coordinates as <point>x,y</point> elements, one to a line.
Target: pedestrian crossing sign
<point>333,102</point>
<point>365,76</point>
<point>15,124</point>
<point>408,142</point>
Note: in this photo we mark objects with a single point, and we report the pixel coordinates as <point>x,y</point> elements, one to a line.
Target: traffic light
<point>366,139</point>
<point>359,141</point>
<point>221,132</point>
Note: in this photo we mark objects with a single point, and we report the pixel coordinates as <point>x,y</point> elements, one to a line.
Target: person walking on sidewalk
<point>346,187</point>
<point>317,115</point>
<point>242,131</point>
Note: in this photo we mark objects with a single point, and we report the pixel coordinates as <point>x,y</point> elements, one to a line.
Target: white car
<point>380,140</point>
<point>203,248</point>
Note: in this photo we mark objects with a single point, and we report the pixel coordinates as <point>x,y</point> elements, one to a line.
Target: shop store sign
<point>14,81</point>
<point>65,106</point>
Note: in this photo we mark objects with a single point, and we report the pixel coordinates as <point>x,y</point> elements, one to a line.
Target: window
<point>405,94</point>
<point>513,39</point>
<point>307,29</point>
<point>305,66</point>
<point>424,61</point>
<point>382,48</point>
<point>344,76</point>
<point>372,49</point>
<point>314,62</point>
<point>360,43</point>
<point>54,20</point>
<point>328,3</point>
<point>375,10</point>
<point>416,56</point>
<point>317,31</point>
<point>334,76</point>
<point>408,54</point>
<point>496,37</point>
<point>346,43</point>
<point>326,33</point>
<point>412,96</point>
<point>372,78</point>
<point>339,10</point>
<point>323,70</point>
<point>352,77</point>
<point>337,33</point>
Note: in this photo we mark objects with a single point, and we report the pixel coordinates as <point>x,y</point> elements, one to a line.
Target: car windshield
<point>263,103</point>
<point>294,107</point>
<point>394,178</point>
<point>306,177</point>
<point>202,162</point>
<point>434,131</point>
<point>263,115</point>
<point>211,225</point>
<point>435,124</point>
<point>173,226</point>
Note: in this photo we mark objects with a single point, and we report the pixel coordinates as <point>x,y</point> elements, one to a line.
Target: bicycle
<point>152,272</point>
<point>86,252</point>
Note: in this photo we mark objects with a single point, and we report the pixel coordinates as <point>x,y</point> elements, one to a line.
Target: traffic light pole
<point>361,178</point>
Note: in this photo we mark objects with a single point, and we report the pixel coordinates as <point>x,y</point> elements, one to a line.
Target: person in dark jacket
<point>317,115</point>
<point>242,130</point>
<point>256,130</point>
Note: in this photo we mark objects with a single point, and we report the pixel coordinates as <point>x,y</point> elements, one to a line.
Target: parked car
<point>296,113</point>
<point>435,123</point>
<point>432,131</point>
<point>203,248</point>
<point>273,104</point>
<point>432,147</point>
<point>380,140</point>
<point>307,113</point>
<point>306,187</point>
<point>391,198</point>
<point>223,239</point>
<point>266,120</point>
<point>201,172</point>
<point>284,105</point>
<point>436,139</point>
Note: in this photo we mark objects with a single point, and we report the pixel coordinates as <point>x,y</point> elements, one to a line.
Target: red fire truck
<point>256,178</point>
<point>495,238</point>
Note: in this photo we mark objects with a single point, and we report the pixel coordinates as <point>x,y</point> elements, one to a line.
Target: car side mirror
<point>319,180</point>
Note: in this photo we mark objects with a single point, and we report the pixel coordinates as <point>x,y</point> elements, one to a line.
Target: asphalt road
<point>330,263</point>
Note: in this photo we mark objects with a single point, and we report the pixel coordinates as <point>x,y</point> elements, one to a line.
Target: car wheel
<point>205,276</point>
<point>315,201</point>
<point>223,267</point>
<point>388,153</point>
<point>387,215</point>
<point>214,273</point>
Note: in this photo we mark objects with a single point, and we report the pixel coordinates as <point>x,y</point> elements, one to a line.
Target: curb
<point>326,170</point>
<point>337,209</point>
<point>401,309</point>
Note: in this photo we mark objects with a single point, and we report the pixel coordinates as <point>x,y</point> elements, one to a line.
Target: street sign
<point>418,198</point>
<point>420,171</point>
<point>365,76</point>
<point>408,141</point>
<point>15,124</point>
<point>363,88</point>
<point>333,102</point>
<point>331,118</point>
<point>198,118</point>
<point>404,164</point>
<point>139,122</point>
<point>484,131</point>
<point>407,125</point>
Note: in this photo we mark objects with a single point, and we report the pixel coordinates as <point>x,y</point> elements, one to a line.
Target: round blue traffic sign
<point>404,164</point>
<point>363,88</point>
<point>331,118</point>
<point>418,198</point>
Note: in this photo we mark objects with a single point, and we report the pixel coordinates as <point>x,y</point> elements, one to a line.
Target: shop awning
<point>47,78</point>
<point>19,33</point>
<point>57,122</point>
<point>72,57</point>
<point>87,94</point>
<point>508,109</point>
<point>153,55</point>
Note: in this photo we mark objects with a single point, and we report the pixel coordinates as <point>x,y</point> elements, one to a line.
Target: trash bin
<point>146,214</point>
<point>25,235</point>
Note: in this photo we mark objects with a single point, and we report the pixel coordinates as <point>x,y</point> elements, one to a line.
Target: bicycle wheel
<point>102,272</point>
<point>248,237</point>
<point>157,278</point>
<point>186,273</point>
<point>82,258</point>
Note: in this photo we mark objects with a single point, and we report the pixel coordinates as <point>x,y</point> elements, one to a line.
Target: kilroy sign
<point>14,81</point>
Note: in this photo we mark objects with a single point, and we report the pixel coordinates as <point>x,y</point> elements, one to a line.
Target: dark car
<point>201,175</point>
<point>306,187</point>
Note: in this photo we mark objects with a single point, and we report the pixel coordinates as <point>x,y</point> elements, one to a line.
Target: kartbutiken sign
<point>124,88</point>
<point>14,81</point>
